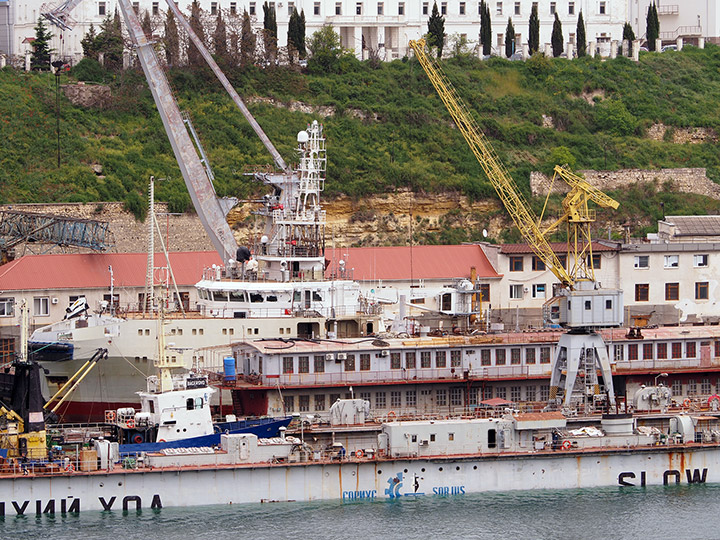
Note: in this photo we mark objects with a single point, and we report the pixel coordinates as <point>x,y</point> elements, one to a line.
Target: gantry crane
<point>581,357</point>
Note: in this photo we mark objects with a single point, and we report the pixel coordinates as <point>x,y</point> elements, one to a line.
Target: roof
<point>90,270</point>
<point>416,262</point>
<point>695,225</point>
<point>557,247</point>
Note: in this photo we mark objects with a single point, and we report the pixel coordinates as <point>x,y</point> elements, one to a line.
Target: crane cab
<point>588,306</point>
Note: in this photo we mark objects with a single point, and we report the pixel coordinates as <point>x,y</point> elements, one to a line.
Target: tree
<point>296,35</point>
<point>653,27</point>
<point>534,31</point>
<point>509,39</point>
<point>628,33</point>
<point>171,40</point>
<point>220,37</point>
<point>109,42</point>
<point>247,41</point>
<point>40,58</point>
<point>581,40</point>
<point>146,24</point>
<point>325,50</point>
<point>194,57</point>
<point>436,30</point>
<point>270,32</point>
<point>485,28</point>
<point>89,43</point>
<point>556,39</point>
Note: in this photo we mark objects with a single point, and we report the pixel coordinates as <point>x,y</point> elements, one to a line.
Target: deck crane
<point>195,169</point>
<point>581,357</point>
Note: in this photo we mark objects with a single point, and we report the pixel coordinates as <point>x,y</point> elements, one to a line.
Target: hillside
<point>387,132</point>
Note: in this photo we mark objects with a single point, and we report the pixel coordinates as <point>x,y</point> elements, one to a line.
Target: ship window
<point>198,403</point>
<point>237,296</point>
<point>255,297</point>
<point>140,332</point>
<point>432,437</point>
<point>190,404</point>
<point>451,436</point>
<point>271,298</point>
<point>316,297</point>
<point>413,438</point>
<point>492,438</point>
<point>147,331</point>
<point>297,296</point>
<point>151,406</point>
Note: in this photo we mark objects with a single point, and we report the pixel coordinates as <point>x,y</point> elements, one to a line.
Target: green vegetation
<point>390,130</point>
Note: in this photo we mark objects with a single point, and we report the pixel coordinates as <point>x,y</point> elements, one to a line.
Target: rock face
<point>681,180</point>
<point>693,135</point>
<point>88,95</point>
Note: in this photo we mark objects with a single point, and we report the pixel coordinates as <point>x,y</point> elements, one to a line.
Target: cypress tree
<point>534,31</point>
<point>436,30</point>
<point>301,35</point>
<point>653,27</point>
<point>146,24</point>
<point>40,57</point>
<point>89,44</point>
<point>581,40</point>
<point>486,29</point>
<point>557,37</point>
<point>194,56</point>
<point>270,33</point>
<point>628,33</point>
<point>509,38</point>
<point>171,40</point>
<point>220,36</point>
<point>247,41</point>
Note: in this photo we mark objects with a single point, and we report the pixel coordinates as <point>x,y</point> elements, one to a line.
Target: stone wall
<point>678,180</point>
<point>181,232</point>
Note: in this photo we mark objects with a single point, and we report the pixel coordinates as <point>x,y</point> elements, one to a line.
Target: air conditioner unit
<point>55,300</point>
<point>526,289</point>
<point>384,352</point>
<point>330,356</point>
<point>342,356</point>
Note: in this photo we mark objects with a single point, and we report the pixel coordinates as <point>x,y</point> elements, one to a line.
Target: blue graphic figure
<point>394,485</point>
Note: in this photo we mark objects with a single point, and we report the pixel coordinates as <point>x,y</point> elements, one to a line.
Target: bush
<point>90,70</point>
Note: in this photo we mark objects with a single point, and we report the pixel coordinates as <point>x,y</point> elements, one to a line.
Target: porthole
<point>379,472</point>
<point>457,468</point>
<point>440,469</point>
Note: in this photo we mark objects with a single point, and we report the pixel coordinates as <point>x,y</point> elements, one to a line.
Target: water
<point>672,512</point>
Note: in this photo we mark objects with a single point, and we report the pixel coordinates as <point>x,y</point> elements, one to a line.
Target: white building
<point>385,26</point>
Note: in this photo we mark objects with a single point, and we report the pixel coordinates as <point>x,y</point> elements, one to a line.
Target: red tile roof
<point>557,247</point>
<point>418,262</point>
<point>89,270</point>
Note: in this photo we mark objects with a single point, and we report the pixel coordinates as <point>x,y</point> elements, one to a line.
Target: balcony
<point>682,31</point>
<point>670,9</point>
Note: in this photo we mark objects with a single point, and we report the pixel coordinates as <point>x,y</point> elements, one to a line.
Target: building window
<point>500,392</point>
<point>537,263</point>
<point>530,355</point>
<point>701,290</point>
<point>642,292</point>
<point>642,261</point>
<point>425,8</point>
<point>499,357</point>
<point>602,8</point>
<point>672,261</point>
<point>334,398</point>
<point>544,355</point>
<point>401,8</point>
<point>705,387</point>
<point>515,356</point>
<point>443,8</point>
<point>596,259</point>
<point>319,363</point>
<point>410,398</point>
<point>380,8</point>
<point>155,8</point>
<point>316,8</point>
<point>462,8</point>
<point>233,11</point>
<point>396,398</point>
<point>571,8</point>
<point>289,402</point>
<point>690,349</point>
<point>456,396</point>
<point>619,353</point>
<point>425,359</point>
<point>41,306</point>
<point>485,292</point>
<point>338,8</point>
<point>662,351</point>
<point>676,349</point>
<point>538,290</point>
<point>516,292</point>
<point>515,393</point>
<point>571,39</point>
<point>517,8</point>
<point>213,11</point>
<point>287,364</point>
<point>633,351</point>
<point>303,364</point>
<point>545,392</point>
<point>7,307</point>
<point>252,10</point>
<point>440,359</point>
<point>700,260</point>
<point>676,387</point>
<point>358,8</point>
<point>350,362</point>
<point>553,8</point>
<point>101,9</point>
<point>441,397</point>
<point>319,402</point>
<point>516,264</point>
<point>395,362</point>
<point>304,403</point>
<point>364,362</point>
<point>672,291</point>
<point>291,8</point>
<point>647,351</point>
<point>410,360</point>
<point>455,358</point>
<point>380,400</point>
<point>498,8</point>
<point>530,393</point>
<point>7,349</point>
<point>500,40</point>
<point>485,357</point>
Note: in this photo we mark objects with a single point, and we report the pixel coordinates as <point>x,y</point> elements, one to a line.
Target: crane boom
<point>504,185</point>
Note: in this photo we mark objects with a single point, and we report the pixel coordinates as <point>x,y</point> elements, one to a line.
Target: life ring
<point>687,403</point>
<point>70,468</point>
<point>161,440</point>
<point>566,445</point>
<point>712,398</point>
<point>391,414</point>
<point>138,438</point>
<point>359,453</point>
<point>131,423</point>
<point>109,417</point>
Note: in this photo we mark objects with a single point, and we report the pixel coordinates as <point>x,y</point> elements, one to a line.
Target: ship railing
<point>666,364</point>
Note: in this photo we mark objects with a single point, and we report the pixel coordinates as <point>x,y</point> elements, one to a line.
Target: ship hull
<point>355,480</point>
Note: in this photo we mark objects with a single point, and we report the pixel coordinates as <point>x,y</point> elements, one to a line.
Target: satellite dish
<point>303,137</point>
<point>485,233</point>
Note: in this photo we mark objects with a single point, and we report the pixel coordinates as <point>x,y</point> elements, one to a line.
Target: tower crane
<point>581,358</point>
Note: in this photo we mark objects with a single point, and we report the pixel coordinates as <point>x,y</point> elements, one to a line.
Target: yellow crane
<point>581,355</point>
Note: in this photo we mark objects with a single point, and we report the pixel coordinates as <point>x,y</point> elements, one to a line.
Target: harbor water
<point>673,512</point>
